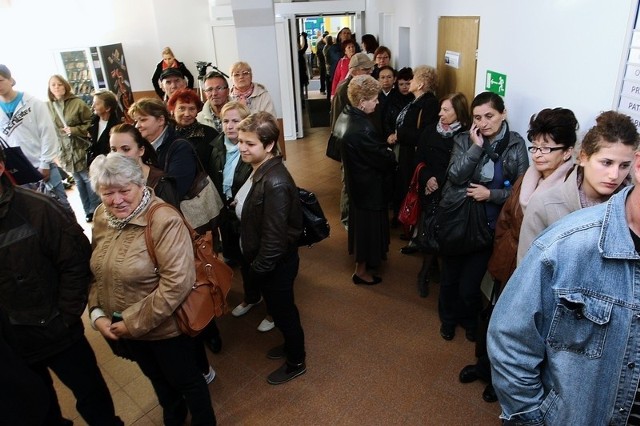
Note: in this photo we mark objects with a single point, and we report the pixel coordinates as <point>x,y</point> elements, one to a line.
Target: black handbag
<point>18,166</point>
<point>315,226</point>
<point>462,227</point>
<point>333,148</point>
<point>427,237</point>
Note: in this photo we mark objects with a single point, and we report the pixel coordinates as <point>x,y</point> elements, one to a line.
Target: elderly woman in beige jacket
<point>131,301</point>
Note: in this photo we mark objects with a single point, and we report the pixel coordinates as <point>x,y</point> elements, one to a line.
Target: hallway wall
<point>554,53</point>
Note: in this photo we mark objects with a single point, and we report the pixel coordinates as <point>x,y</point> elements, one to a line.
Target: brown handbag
<point>208,296</point>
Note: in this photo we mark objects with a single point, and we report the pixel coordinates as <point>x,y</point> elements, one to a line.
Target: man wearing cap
<point>25,122</point>
<point>172,80</point>
<point>360,64</point>
<point>216,89</point>
<point>44,285</point>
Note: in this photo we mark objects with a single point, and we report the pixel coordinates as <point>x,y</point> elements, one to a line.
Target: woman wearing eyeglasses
<point>603,168</point>
<point>253,95</point>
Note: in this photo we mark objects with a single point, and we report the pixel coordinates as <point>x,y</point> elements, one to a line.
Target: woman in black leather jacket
<point>368,166</point>
<point>472,173</point>
<point>268,206</point>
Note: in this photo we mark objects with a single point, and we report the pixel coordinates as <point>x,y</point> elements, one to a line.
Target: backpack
<point>208,296</point>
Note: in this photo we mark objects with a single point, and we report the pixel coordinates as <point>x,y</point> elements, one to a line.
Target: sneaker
<point>210,376</point>
<point>240,310</point>
<point>286,372</point>
<point>266,325</point>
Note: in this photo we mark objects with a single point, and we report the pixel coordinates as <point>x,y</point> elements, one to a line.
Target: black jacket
<point>434,151</point>
<point>394,104</point>
<point>271,219</point>
<point>177,158</point>
<point>368,161</point>
<point>422,112</point>
<point>100,144</point>
<point>216,167</point>
<point>44,273</point>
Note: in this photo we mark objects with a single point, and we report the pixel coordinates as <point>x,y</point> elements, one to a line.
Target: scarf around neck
<point>533,181</point>
<point>450,130</point>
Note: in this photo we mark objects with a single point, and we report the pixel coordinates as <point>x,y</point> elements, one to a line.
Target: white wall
<point>554,52</point>
<point>35,29</point>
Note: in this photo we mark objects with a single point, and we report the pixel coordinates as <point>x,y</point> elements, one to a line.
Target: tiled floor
<point>375,356</point>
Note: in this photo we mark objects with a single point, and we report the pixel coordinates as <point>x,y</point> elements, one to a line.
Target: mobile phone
<point>116,317</point>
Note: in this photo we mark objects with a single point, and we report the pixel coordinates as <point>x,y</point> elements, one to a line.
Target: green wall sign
<point>496,83</point>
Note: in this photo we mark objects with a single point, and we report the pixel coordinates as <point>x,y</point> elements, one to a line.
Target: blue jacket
<point>564,337</point>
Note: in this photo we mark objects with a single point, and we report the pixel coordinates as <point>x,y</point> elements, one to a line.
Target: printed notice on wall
<point>629,88</point>
<point>452,59</point>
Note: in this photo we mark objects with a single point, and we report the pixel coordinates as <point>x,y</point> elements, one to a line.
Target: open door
<point>457,49</point>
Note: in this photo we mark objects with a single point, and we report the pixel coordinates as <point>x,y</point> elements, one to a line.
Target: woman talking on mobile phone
<point>485,162</point>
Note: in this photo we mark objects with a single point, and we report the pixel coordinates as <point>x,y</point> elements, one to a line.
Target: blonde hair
<point>242,109</point>
<point>167,51</point>
<point>428,77</point>
<point>362,87</point>
<point>239,65</point>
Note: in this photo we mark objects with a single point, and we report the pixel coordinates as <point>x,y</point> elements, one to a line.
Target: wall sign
<point>496,83</point>
<point>452,59</point>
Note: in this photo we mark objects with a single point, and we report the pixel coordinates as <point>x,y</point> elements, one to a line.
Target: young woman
<point>473,172</point>
<point>72,118</point>
<point>169,61</point>
<point>105,117</point>
<point>604,163</point>
<point>270,215</point>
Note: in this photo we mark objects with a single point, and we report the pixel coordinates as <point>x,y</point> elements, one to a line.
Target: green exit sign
<point>496,82</point>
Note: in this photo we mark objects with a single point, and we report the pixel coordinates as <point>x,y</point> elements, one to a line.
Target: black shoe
<point>468,374</point>
<point>470,335</point>
<point>448,332</point>
<point>409,249</point>
<point>214,344</point>
<point>286,372</point>
<point>489,394</point>
<point>357,280</point>
<point>89,218</point>
<point>276,353</point>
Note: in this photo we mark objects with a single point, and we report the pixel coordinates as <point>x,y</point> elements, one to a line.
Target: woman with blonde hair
<point>368,164</point>
<point>72,118</point>
<point>169,61</point>
<point>253,95</point>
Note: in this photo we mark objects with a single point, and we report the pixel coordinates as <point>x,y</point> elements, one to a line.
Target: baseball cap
<point>4,71</point>
<point>360,61</point>
<point>171,72</point>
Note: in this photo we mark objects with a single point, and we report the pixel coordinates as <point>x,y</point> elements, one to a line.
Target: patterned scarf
<point>244,95</point>
<point>194,130</point>
<point>449,130</point>
<point>119,224</point>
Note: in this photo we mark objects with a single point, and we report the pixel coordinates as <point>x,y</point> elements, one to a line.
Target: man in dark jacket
<point>44,280</point>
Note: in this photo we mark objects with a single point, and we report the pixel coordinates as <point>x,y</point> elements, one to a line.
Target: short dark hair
<point>559,124</point>
<point>388,67</point>
<point>150,156</point>
<point>460,107</point>
<point>405,73</point>
<point>264,125</point>
<point>611,127</point>
<point>495,101</point>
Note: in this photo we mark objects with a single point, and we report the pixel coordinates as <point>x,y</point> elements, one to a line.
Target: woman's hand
<point>103,325</point>
<point>392,139</point>
<point>431,186</point>
<point>478,192</point>
<point>67,130</point>
<point>120,329</point>
<point>476,137</point>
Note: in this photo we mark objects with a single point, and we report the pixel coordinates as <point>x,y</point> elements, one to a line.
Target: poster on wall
<point>117,76</point>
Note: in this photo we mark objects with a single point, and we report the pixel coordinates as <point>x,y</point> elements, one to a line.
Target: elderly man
<point>563,338</point>
<point>172,80</point>
<point>44,285</point>
<point>359,64</point>
<point>216,89</point>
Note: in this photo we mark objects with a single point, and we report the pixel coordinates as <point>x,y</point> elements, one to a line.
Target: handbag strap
<point>413,186</point>
<point>148,239</point>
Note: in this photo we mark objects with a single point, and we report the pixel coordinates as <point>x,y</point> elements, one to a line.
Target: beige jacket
<point>124,277</point>
<point>546,208</point>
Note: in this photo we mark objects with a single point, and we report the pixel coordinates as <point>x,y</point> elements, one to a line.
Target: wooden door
<point>458,34</point>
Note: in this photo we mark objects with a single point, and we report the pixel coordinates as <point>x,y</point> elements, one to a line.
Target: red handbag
<point>410,207</point>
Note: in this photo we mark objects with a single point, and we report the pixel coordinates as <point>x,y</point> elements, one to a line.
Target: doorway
<point>457,50</point>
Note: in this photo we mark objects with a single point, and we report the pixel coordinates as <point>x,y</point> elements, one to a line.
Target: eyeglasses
<point>241,74</point>
<point>544,149</point>
<point>217,89</point>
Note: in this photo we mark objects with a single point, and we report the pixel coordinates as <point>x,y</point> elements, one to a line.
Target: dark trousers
<point>277,290</point>
<point>230,233</point>
<point>323,76</point>
<point>460,295</point>
<point>77,368</point>
<point>170,365</point>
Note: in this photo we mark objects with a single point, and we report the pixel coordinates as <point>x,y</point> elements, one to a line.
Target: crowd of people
<point>552,223</point>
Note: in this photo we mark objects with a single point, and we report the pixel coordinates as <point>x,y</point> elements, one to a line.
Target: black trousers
<point>460,299</point>
<point>77,368</point>
<point>277,290</point>
<point>170,365</point>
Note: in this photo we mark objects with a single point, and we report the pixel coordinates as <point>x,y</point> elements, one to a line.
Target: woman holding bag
<point>485,162</point>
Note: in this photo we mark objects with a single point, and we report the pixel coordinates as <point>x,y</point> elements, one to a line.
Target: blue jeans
<point>90,200</point>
